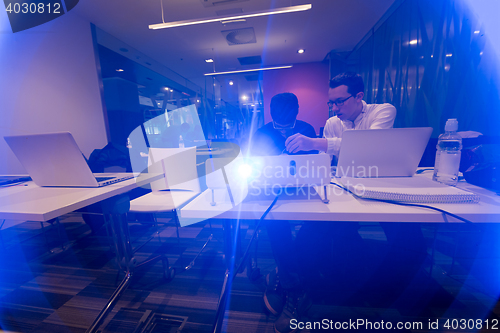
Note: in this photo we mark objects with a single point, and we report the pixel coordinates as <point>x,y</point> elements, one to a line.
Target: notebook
<point>373,153</point>
<point>54,159</point>
<point>415,189</point>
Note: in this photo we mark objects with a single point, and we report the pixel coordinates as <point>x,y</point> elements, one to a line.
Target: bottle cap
<point>451,125</point>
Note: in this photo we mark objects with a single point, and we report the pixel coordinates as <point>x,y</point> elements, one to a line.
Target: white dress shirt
<point>372,116</point>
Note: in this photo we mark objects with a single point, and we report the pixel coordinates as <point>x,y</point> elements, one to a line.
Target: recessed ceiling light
<point>231,82</point>
<point>301,51</point>
<point>476,32</point>
<point>244,97</point>
<point>209,60</point>
<point>413,42</point>
<point>119,70</point>
<point>449,55</point>
<point>167,88</point>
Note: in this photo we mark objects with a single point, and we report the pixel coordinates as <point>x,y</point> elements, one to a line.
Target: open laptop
<point>54,159</point>
<point>372,153</point>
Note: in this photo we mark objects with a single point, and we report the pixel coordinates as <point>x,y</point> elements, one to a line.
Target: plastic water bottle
<point>448,153</point>
<point>181,141</point>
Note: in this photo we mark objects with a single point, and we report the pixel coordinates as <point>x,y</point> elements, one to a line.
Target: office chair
<point>169,194</point>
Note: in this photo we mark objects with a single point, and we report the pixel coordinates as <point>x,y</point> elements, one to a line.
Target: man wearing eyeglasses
<point>270,138</point>
<point>406,243</point>
<point>350,113</point>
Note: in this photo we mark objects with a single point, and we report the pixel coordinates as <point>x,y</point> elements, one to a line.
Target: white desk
<point>31,202</point>
<point>342,207</point>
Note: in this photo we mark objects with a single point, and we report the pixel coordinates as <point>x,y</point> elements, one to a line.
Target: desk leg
<point>111,303</point>
<point>232,242</point>
<point>116,208</point>
<point>221,306</point>
<point>232,254</point>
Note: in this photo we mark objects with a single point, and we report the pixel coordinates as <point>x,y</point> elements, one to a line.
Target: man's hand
<point>298,142</point>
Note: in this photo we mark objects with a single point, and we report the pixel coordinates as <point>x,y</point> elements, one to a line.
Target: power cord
<point>247,251</point>
<point>406,204</point>
<point>223,297</point>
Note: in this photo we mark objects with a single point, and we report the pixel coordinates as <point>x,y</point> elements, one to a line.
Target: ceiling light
<point>231,82</point>
<point>244,97</point>
<point>301,51</point>
<point>476,32</point>
<point>449,55</point>
<point>166,88</point>
<point>119,70</point>
<point>413,42</point>
<point>233,21</point>
<point>233,17</point>
<point>248,70</point>
<point>209,60</point>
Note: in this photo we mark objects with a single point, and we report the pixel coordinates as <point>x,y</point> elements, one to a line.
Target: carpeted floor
<point>64,291</point>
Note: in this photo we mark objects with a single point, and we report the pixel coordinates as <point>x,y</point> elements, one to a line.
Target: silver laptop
<point>54,159</point>
<point>372,153</point>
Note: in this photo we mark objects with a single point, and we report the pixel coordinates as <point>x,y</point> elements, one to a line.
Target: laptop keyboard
<point>103,179</point>
<point>11,180</point>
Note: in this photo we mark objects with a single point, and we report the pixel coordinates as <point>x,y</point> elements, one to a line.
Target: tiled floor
<point>64,291</point>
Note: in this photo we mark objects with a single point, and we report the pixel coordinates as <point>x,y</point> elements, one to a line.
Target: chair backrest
<point>179,167</point>
<point>235,182</point>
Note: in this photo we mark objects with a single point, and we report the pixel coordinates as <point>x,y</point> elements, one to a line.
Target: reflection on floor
<point>64,291</point>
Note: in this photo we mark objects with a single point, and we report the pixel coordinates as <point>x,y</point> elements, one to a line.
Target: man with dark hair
<point>270,138</point>
<point>351,113</point>
<point>285,283</point>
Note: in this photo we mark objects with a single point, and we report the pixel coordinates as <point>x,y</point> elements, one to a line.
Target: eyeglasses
<point>281,127</point>
<point>339,102</point>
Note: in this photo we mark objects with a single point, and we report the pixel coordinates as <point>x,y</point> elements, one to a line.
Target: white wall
<point>48,83</point>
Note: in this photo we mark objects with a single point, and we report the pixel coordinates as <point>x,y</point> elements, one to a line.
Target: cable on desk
<point>419,171</point>
<point>407,204</point>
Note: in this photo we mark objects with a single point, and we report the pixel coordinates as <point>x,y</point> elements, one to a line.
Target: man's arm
<point>298,142</point>
<point>329,143</point>
<point>333,140</point>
